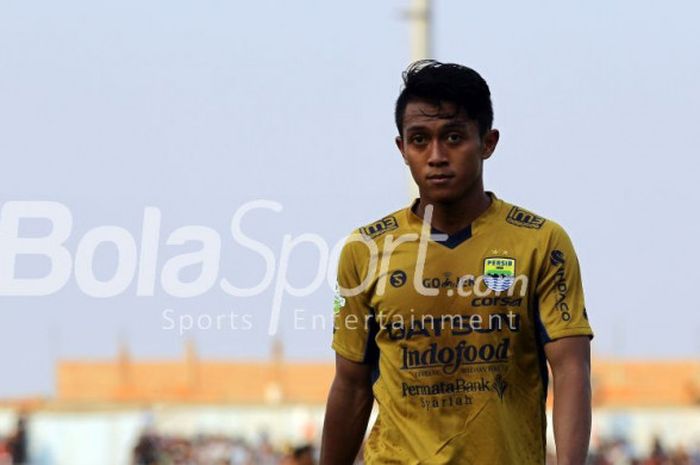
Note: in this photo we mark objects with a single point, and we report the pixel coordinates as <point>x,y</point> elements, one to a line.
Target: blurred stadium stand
<point>216,412</point>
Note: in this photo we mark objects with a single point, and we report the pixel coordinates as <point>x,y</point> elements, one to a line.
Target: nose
<point>438,155</point>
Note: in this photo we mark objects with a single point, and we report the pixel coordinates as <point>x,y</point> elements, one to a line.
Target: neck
<point>452,217</point>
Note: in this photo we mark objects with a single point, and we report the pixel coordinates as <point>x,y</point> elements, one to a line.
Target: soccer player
<point>448,311</point>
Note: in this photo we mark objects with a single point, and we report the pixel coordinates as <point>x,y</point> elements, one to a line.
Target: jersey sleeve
<point>561,310</point>
<point>352,308</point>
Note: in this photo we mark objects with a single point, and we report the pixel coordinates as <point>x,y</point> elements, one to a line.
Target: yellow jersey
<point>454,327</point>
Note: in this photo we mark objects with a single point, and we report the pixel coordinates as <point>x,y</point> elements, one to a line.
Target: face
<point>444,151</point>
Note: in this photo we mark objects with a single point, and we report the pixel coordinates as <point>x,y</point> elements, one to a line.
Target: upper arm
<point>352,337</point>
<point>561,310</point>
<point>569,353</point>
<point>353,374</point>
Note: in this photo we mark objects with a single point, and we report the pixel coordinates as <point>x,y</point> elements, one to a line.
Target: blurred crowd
<point>219,450</point>
<point>13,449</point>
<point>154,449</point>
<point>621,452</point>
<point>159,449</point>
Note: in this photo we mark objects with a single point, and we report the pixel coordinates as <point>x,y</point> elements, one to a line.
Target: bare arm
<point>570,360</point>
<point>347,412</point>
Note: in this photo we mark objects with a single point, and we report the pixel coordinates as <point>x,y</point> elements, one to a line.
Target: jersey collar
<point>453,240</point>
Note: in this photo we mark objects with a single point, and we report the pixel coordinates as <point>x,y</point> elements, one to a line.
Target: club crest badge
<point>499,273</point>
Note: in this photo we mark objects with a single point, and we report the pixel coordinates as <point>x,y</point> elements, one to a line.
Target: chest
<point>482,278</point>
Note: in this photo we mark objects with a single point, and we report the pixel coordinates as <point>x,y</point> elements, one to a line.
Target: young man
<point>448,311</point>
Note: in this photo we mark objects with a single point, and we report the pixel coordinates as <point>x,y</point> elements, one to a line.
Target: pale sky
<point>199,107</point>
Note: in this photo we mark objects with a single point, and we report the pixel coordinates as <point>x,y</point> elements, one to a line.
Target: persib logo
<point>499,273</point>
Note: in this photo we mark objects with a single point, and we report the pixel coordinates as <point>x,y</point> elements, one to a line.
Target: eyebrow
<point>415,127</point>
<point>455,124</point>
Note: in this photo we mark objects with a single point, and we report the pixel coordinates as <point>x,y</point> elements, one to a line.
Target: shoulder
<point>524,222</point>
<point>372,235</point>
<point>376,231</point>
<point>392,222</point>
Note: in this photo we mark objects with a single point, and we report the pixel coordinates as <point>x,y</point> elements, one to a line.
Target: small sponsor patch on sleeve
<point>379,227</point>
<point>523,218</point>
<point>338,299</point>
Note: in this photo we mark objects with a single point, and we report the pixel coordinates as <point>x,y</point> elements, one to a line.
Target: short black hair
<point>440,83</point>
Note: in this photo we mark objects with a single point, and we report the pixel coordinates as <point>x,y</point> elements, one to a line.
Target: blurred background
<point>165,120</point>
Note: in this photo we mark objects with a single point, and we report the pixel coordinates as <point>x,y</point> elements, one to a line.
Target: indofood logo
<point>451,358</point>
<point>499,273</point>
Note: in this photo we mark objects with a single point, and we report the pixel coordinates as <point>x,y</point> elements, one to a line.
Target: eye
<point>419,139</point>
<point>454,138</point>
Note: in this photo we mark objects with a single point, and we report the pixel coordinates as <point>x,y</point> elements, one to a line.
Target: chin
<point>444,196</point>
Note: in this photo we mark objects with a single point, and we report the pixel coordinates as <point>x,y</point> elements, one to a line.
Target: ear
<point>490,141</point>
<point>399,145</point>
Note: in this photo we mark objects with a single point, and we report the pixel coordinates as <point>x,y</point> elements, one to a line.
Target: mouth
<point>440,178</point>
